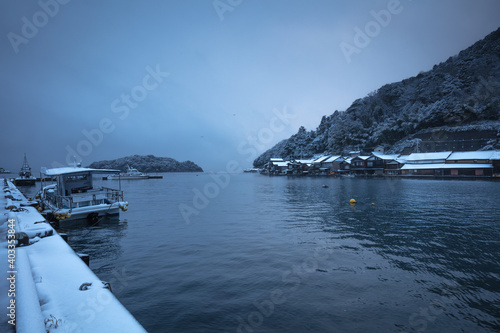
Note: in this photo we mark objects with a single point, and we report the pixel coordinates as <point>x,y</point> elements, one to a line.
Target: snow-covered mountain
<point>460,95</point>
<point>148,163</point>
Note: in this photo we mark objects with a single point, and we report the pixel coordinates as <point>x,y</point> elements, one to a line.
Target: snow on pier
<point>45,286</point>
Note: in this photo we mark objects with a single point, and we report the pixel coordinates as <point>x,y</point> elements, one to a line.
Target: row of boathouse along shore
<point>477,164</point>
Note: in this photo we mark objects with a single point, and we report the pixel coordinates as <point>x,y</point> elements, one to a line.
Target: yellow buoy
<point>352,201</point>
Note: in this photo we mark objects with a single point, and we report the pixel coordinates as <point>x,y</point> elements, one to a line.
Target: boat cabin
<point>75,183</point>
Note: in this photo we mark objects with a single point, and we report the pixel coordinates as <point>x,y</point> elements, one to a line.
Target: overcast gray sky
<point>207,81</point>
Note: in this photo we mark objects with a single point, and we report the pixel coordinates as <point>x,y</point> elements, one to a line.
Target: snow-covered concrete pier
<point>45,286</point>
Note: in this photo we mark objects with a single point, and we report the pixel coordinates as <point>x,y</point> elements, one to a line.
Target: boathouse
<point>277,167</point>
<point>378,163</point>
<point>392,163</point>
<point>346,165</point>
<point>299,167</point>
<point>332,164</point>
<point>468,163</point>
<point>430,164</point>
<point>471,163</point>
<point>318,166</point>
<point>495,161</point>
<point>358,165</point>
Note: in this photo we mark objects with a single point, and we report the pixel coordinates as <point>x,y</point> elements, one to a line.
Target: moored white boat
<point>74,196</point>
<point>131,173</point>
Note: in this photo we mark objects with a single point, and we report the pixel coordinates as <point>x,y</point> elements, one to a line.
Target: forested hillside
<point>460,94</point>
<point>148,163</point>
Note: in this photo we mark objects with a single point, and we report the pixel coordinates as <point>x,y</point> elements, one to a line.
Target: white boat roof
<point>68,170</point>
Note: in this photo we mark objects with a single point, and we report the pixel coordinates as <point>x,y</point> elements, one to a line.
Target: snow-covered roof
<point>332,158</point>
<point>362,157</point>
<point>471,155</point>
<point>402,158</point>
<point>281,164</point>
<point>428,166</point>
<point>321,159</point>
<point>276,159</point>
<point>68,170</point>
<point>305,161</point>
<point>386,157</point>
<point>428,156</point>
<point>495,155</point>
<point>348,160</point>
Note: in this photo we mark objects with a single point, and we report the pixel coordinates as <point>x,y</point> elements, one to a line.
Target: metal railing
<point>112,194</point>
<point>104,195</point>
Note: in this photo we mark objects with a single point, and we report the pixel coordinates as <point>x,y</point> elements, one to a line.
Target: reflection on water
<point>437,242</point>
<point>101,242</point>
<point>410,256</point>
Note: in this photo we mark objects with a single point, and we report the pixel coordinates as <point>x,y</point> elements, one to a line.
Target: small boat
<point>252,170</point>
<point>348,175</point>
<point>131,173</point>
<point>74,196</point>
<point>2,170</point>
<point>25,178</point>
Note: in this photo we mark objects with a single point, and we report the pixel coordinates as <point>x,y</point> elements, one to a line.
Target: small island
<point>148,163</point>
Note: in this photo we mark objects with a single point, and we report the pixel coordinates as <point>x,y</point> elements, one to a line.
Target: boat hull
<point>126,177</point>
<point>88,214</point>
<point>24,181</point>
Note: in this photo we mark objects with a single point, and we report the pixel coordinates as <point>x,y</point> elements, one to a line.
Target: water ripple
<point>411,255</point>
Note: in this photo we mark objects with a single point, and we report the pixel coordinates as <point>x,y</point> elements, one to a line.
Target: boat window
<point>76,177</point>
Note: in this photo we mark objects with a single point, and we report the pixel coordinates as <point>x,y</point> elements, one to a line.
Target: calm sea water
<point>284,254</point>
